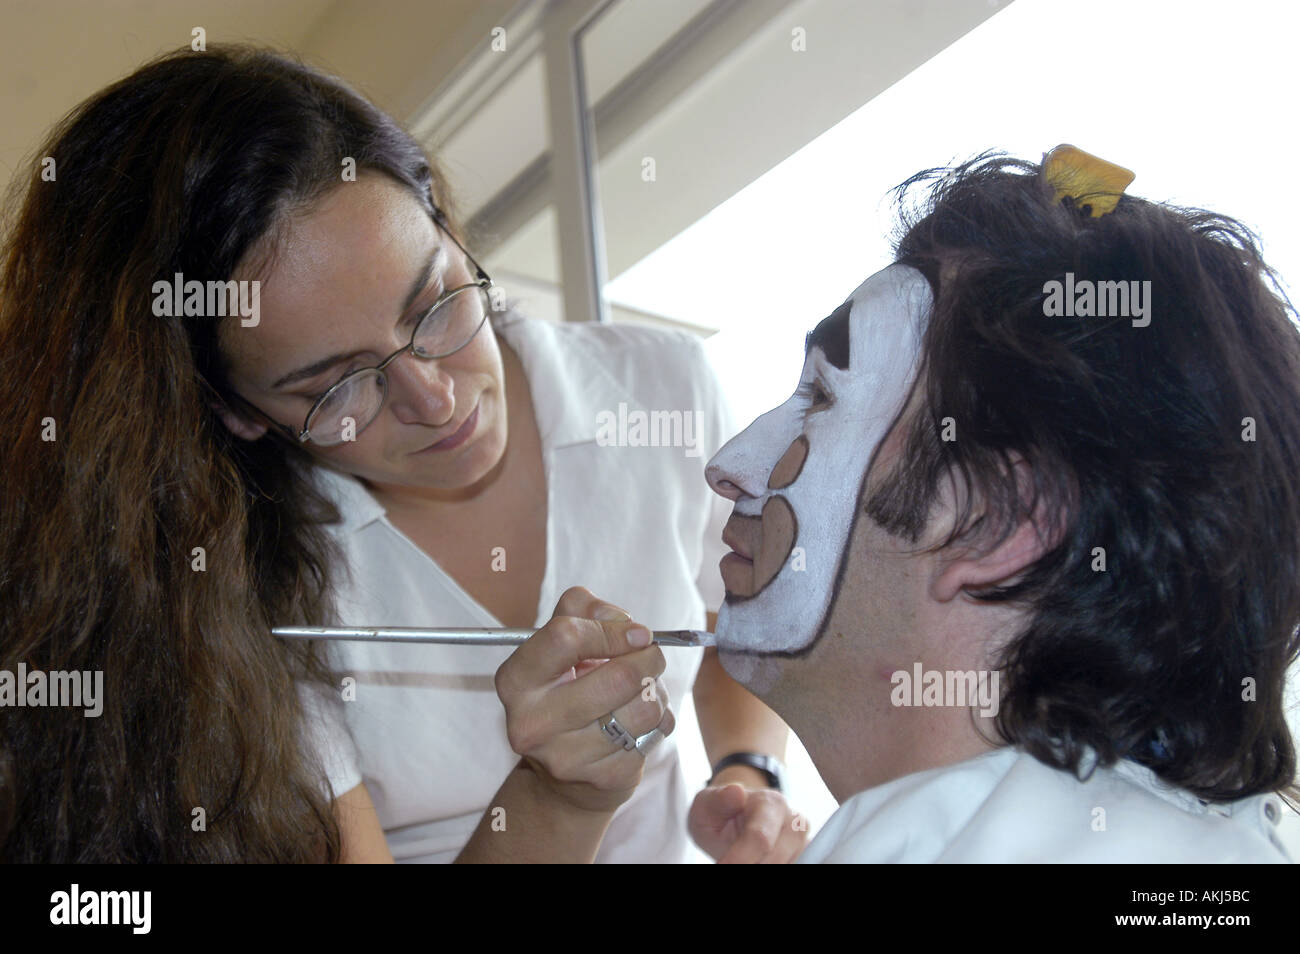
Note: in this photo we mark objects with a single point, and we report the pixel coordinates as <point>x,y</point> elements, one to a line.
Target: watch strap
<point>767,765</point>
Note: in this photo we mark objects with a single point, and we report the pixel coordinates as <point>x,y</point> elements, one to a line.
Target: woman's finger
<point>563,643</point>
<point>646,712</point>
<point>581,602</point>
<point>631,680</point>
<point>589,756</point>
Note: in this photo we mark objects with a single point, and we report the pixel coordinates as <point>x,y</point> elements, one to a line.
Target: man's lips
<point>457,437</point>
<point>730,538</point>
<point>737,575</point>
<point>737,568</point>
<point>760,546</point>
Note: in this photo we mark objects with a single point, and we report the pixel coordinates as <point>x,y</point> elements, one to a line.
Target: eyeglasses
<point>356,399</point>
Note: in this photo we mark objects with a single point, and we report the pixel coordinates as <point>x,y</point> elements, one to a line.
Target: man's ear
<point>978,568</point>
<point>236,424</point>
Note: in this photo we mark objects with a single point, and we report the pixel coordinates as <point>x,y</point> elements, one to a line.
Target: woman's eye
<point>417,316</point>
<point>423,311</point>
<point>320,391</point>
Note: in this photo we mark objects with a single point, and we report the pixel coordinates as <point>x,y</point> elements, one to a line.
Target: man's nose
<point>717,476</point>
<point>420,390</point>
<point>743,465</point>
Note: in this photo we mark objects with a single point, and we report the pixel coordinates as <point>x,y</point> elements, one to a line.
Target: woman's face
<point>343,293</point>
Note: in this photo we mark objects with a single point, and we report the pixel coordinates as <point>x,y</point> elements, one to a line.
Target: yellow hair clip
<point>1094,184</point>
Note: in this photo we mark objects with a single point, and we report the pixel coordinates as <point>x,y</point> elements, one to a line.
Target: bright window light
<point>1195,97</point>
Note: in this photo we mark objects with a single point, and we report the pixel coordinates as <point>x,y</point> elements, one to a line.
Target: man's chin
<point>757,673</point>
<point>746,627</point>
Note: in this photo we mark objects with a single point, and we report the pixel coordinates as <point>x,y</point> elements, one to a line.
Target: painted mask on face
<point>797,472</point>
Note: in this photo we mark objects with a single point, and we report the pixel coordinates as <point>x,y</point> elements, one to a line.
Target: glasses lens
<point>352,405</point>
<point>453,324</point>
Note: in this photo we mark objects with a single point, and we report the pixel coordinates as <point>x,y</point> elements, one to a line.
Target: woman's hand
<point>736,824</point>
<point>589,661</point>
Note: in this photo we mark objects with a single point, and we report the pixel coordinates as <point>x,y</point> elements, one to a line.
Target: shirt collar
<point>569,377</point>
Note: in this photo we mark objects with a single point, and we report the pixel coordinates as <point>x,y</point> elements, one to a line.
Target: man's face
<point>796,474</point>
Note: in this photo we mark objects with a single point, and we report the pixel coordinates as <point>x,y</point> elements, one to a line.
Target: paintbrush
<point>463,637</point>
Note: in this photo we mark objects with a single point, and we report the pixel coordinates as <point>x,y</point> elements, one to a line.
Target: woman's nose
<point>420,391</point>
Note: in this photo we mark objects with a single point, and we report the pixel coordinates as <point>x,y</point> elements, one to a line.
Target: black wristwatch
<point>769,765</point>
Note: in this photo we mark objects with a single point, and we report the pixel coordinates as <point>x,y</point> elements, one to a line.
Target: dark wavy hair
<point>1135,437</point>
<point>193,164</point>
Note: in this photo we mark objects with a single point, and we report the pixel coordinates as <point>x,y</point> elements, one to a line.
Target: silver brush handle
<point>689,638</point>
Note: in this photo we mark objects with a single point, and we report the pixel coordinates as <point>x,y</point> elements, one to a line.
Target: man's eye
<point>814,394</point>
<point>816,397</point>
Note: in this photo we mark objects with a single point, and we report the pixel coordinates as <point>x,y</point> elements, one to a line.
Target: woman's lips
<point>460,436</point>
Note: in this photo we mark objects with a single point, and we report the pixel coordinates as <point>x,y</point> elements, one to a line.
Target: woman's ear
<point>975,569</point>
<point>239,426</point>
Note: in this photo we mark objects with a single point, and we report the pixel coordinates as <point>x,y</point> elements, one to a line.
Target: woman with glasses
<point>380,440</point>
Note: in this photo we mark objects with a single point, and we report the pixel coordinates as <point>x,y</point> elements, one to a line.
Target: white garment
<point>327,733</point>
<point>1006,806</point>
<point>636,525</point>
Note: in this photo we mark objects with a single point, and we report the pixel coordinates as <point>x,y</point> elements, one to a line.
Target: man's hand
<point>736,824</point>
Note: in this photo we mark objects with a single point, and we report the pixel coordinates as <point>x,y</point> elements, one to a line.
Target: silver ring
<point>616,733</point>
<point>649,740</point>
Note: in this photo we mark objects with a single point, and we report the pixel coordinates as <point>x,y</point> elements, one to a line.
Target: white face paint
<point>796,473</point>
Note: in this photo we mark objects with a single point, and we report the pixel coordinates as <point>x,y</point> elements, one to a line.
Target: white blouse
<point>635,524</point>
<point>1006,806</point>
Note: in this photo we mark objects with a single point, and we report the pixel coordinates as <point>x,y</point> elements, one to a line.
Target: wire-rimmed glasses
<point>356,399</point>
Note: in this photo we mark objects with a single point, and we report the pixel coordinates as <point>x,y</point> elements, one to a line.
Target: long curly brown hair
<point>192,164</point>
